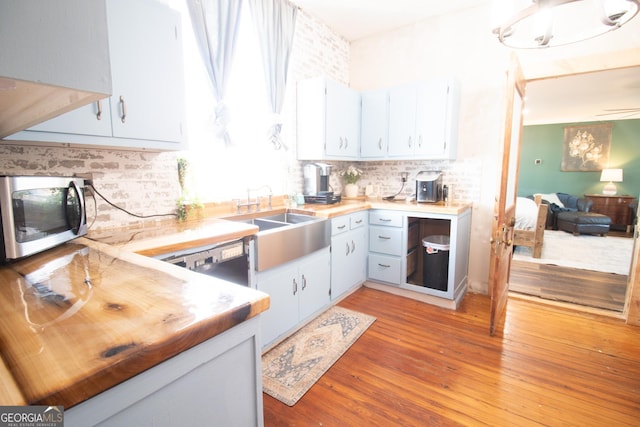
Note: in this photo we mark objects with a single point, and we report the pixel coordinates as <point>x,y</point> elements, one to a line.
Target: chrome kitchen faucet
<point>256,202</point>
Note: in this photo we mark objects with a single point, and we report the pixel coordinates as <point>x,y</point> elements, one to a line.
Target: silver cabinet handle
<point>99,113</point>
<point>346,142</point>
<point>304,282</point>
<point>410,142</point>
<point>384,265</point>
<point>380,144</point>
<point>353,246</point>
<point>340,227</point>
<point>359,221</point>
<point>420,141</point>
<point>295,287</point>
<point>385,219</point>
<point>384,237</point>
<point>347,245</point>
<point>124,109</point>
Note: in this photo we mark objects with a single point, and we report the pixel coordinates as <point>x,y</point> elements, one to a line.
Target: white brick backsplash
<point>463,177</point>
<point>143,183</point>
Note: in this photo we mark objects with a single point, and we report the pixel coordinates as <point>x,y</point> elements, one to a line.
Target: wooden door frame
<point>632,303</point>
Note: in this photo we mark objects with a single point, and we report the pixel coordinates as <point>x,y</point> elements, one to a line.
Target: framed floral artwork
<point>586,148</point>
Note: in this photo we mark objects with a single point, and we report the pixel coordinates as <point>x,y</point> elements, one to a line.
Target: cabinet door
<point>359,252</point>
<point>437,119</point>
<point>146,63</point>
<point>402,121</point>
<point>92,119</point>
<point>283,288</point>
<point>340,267</point>
<point>315,283</point>
<point>342,126</point>
<point>374,137</point>
<point>431,120</point>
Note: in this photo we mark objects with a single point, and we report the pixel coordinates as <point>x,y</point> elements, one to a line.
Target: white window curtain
<point>215,25</point>
<point>275,21</point>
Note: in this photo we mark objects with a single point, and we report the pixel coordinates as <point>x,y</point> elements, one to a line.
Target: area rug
<point>606,254</point>
<point>293,366</point>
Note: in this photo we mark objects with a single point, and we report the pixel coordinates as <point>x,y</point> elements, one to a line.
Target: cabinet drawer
<point>385,240</point>
<point>386,218</point>
<point>339,224</point>
<point>358,219</point>
<point>385,268</point>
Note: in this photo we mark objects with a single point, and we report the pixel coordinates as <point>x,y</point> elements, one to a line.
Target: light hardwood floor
<point>419,365</point>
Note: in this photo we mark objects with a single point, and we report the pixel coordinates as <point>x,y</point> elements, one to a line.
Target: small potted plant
<point>351,176</point>
<point>186,206</point>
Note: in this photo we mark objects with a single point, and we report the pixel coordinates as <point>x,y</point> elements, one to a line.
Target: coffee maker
<point>428,187</point>
<point>316,184</point>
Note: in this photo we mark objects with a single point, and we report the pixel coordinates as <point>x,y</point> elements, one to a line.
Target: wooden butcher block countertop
<point>85,316</point>
<point>173,236</point>
<point>350,206</point>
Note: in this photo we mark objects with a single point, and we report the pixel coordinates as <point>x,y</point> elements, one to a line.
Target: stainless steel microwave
<point>39,212</point>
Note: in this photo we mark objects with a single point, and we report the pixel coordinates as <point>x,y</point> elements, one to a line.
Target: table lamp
<point>610,176</point>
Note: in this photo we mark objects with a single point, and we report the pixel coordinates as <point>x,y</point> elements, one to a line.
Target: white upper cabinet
<point>54,58</point>
<point>414,121</point>
<point>423,120</point>
<point>328,121</point>
<point>147,107</point>
<point>374,136</point>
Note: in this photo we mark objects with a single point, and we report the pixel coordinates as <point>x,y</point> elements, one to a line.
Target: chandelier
<point>531,24</point>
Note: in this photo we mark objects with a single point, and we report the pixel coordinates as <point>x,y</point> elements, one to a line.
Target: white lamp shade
<point>611,175</point>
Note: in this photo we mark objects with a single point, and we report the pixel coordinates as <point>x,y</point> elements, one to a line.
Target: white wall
<point>462,45</point>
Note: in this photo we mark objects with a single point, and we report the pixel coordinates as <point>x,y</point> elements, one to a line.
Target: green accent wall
<point>544,142</point>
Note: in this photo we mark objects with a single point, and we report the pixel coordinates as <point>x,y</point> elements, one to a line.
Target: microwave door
<point>75,209</point>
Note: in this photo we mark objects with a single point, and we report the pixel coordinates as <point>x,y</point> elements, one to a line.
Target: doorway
<point>552,281</point>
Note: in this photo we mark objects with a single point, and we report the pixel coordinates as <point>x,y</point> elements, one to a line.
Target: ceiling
<point>585,97</point>
<point>603,95</point>
<point>355,19</point>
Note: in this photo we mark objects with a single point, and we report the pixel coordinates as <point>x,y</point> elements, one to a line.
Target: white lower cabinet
<point>348,253</point>
<point>386,245</point>
<point>216,383</point>
<point>397,255</point>
<point>298,290</point>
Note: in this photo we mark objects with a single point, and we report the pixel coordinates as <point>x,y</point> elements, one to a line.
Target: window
<point>224,173</point>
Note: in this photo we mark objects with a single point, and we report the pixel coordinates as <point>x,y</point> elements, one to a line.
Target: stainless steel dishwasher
<point>228,260</point>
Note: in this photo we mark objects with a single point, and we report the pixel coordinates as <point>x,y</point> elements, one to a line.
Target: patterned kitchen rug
<point>293,366</point>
